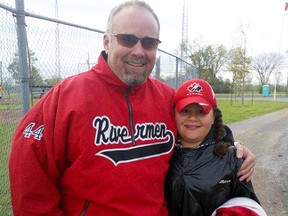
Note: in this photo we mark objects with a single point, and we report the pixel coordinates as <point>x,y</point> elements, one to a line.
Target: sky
<point>265,22</point>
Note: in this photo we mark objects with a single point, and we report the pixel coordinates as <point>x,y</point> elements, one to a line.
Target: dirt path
<point>267,137</point>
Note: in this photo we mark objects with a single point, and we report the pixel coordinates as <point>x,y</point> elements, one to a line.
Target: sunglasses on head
<point>130,40</point>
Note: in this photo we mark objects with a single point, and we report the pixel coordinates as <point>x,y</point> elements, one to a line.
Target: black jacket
<point>198,181</point>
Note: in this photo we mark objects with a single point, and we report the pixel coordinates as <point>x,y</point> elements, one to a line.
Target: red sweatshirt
<point>94,146</point>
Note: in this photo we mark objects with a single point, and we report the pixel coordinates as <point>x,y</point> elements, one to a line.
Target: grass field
<point>232,112</point>
<point>6,132</point>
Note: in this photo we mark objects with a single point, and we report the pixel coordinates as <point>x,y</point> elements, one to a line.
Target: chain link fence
<point>55,50</point>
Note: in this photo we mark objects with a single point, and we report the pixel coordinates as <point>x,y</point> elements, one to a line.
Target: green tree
<point>34,75</point>
<point>239,64</point>
<point>209,59</point>
<point>52,81</point>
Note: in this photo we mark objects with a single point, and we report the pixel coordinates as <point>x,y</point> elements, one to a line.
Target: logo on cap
<point>194,88</point>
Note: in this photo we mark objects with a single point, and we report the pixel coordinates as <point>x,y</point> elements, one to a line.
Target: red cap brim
<point>194,100</point>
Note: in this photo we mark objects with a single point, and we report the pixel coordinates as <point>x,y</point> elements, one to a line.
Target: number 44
<point>37,133</point>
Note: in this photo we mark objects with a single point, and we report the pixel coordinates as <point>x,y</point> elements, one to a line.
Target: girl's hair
<point>128,3</point>
<point>223,141</point>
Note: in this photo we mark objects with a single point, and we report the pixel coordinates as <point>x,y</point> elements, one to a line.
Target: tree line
<point>209,60</point>
<point>213,60</point>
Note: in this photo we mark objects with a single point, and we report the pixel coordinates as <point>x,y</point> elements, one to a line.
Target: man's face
<point>131,64</point>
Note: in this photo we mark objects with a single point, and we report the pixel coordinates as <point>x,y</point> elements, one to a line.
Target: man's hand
<point>246,169</point>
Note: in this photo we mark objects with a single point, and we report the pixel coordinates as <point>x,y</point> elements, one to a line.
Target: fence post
<point>177,74</point>
<point>157,71</point>
<point>22,49</point>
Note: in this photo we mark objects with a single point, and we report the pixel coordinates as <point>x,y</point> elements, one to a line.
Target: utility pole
<point>184,37</point>
<point>57,43</point>
<point>287,77</point>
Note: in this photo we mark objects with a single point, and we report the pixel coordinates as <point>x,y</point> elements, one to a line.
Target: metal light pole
<point>23,55</point>
<point>287,79</point>
<point>287,85</point>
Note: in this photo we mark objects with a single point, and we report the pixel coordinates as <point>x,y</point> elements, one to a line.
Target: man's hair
<point>138,3</point>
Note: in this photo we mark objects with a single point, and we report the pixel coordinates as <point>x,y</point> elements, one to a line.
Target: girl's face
<point>193,124</point>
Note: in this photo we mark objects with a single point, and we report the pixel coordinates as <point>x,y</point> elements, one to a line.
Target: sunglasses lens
<point>127,40</point>
<point>149,43</point>
<point>130,40</point>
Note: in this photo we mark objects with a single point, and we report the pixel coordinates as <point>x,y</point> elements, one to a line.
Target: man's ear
<point>106,42</point>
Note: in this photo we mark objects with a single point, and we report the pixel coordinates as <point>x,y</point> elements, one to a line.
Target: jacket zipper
<point>131,122</point>
<point>85,208</point>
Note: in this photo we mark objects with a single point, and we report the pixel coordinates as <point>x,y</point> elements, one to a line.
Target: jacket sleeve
<point>240,188</point>
<point>36,160</point>
<point>245,189</point>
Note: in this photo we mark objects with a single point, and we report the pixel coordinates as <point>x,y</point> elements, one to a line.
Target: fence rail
<point>38,51</point>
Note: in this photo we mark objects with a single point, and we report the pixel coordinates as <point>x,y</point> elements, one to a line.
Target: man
<point>98,143</point>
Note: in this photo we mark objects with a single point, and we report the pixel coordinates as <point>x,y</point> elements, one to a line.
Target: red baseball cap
<point>195,91</point>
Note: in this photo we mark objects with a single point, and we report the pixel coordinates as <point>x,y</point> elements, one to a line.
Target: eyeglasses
<point>130,40</point>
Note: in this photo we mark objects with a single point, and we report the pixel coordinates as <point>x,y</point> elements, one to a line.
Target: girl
<point>202,174</point>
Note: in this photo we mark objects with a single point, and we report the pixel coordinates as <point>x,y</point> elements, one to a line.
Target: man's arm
<point>246,170</point>
<point>35,163</point>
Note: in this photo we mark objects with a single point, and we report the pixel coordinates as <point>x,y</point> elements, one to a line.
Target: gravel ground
<point>267,137</point>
